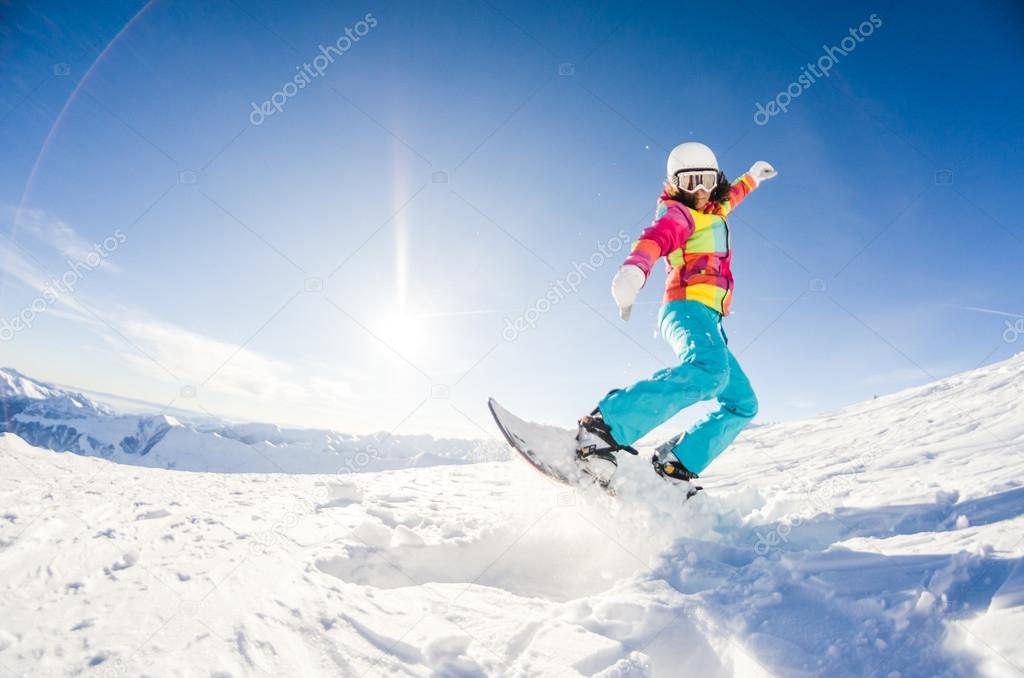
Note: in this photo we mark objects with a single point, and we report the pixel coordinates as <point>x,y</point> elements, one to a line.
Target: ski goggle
<point>691,180</point>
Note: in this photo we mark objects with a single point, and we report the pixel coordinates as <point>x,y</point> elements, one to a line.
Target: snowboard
<point>549,449</point>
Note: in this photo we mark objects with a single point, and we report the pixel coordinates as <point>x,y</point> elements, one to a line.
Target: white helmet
<point>690,156</point>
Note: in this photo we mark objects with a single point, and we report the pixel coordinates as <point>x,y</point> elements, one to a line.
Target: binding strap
<point>606,453</point>
<point>599,426</point>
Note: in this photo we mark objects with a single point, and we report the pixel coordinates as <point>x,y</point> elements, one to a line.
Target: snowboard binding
<point>673,470</point>
<point>596,448</point>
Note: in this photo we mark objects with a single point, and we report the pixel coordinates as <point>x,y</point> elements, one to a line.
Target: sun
<point>404,333</point>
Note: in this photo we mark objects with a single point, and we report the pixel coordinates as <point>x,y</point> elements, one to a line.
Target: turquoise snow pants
<point>707,369</point>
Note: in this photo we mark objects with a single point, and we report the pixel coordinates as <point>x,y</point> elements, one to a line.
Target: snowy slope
<point>66,421</point>
<point>882,540</point>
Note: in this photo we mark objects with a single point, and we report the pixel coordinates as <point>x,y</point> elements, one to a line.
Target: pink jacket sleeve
<point>671,228</point>
<point>740,189</point>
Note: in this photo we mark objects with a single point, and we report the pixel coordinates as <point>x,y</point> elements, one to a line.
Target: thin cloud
<point>225,367</point>
<point>235,376</point>
<point>56,234</point>
<point>990,311</point>
<point>20,268</point>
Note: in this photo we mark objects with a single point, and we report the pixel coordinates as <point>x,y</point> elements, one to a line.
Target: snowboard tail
<point>548,449</point>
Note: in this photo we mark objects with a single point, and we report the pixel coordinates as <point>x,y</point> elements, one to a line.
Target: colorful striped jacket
<point>696,247</point>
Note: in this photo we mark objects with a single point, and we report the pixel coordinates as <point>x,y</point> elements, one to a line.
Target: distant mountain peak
<point>33,393</point>
<point>14,384</point>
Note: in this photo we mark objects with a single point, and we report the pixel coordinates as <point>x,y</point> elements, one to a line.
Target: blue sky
<point>351,262</point>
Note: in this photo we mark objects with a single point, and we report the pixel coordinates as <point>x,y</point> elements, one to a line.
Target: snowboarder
<point>691,232</point>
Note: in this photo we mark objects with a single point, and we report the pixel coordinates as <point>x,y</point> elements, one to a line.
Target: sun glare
<point>404,333</point>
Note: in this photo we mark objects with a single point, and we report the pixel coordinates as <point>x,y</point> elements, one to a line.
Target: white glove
<point>762,170</point>
<point>625,286</point>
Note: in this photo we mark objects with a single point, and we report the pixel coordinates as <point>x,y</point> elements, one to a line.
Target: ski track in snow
<point>882,540</point>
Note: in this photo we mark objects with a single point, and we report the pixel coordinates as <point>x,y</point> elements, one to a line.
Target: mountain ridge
<point>63,420</point>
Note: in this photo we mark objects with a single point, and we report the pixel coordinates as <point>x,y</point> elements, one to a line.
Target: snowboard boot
<point>672,469</point>
<point>596,448</point>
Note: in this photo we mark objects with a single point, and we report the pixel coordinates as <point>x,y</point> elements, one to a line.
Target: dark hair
<point>719,195</point>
